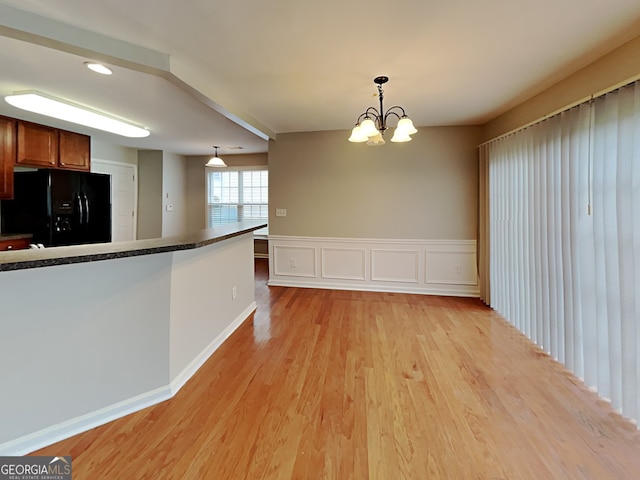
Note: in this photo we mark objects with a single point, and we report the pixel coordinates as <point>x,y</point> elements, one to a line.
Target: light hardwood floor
<point>343,385</point>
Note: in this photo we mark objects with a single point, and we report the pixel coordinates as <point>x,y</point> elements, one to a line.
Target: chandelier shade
<point>400,137</point>
<point>376,140</point>
<point>372,123</point>
<point>357,136</point>
<point>406,126</point>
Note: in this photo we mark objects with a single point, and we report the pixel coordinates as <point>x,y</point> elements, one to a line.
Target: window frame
<point>263,232</point>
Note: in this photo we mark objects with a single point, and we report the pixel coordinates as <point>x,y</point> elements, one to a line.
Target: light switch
<point>281,212</point>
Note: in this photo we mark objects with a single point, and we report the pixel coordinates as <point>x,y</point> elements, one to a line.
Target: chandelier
<point>372,124</point>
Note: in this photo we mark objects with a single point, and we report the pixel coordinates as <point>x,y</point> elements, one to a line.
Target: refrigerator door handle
<point>80,208</point>
<point>86,209</point>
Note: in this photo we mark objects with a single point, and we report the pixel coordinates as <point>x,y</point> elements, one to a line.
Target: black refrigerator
<point>59,207</point>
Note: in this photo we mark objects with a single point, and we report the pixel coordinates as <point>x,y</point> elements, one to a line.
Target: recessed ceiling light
<point>98,68</point>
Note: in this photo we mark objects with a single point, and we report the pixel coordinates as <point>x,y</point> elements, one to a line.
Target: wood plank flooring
<point>343,385</point>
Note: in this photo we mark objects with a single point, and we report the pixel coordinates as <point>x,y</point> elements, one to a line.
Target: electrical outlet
<point>234,293</point>
<point>458,269</point>
<point>281,212</point>
<point>169,207</point>
<point>292,263</point>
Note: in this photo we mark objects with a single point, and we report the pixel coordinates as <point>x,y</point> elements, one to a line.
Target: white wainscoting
<point>432,267</point>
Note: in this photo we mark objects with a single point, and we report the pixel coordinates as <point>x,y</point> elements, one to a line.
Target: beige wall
<point>196,193</point>
<point>113,153</point>
<point>245,160</point>
<point>149,194</point>
<point>162,181</point>
<point>174,193</point>
<point>424,189</point>
<point>619,66</point>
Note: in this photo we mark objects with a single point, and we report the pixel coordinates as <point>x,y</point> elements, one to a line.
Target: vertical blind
<point>560,239</point>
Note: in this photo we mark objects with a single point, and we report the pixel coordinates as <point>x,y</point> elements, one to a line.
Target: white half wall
<point>433,267</point>
<point>210,285</point>
<point>87,343</point>
<point>78,338</point>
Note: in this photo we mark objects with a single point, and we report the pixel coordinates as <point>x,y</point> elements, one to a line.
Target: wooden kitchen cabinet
<point>41,146</point>
<point>37,145</point>
<point>16,244</point>
<point>7,156</point>
<point>74,151</point>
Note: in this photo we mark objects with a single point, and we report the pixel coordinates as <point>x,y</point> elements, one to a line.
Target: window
<point>237,196</point>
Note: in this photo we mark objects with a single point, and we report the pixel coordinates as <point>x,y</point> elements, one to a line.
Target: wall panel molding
<point>430,267</point>
<point>293,260</point>
<point>396,265</point>
<point>343,263</point>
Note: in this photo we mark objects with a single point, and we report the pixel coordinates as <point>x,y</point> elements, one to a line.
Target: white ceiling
<point>289,66</point>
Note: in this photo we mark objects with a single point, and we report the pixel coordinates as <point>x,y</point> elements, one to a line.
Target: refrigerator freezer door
<point>30,209</point>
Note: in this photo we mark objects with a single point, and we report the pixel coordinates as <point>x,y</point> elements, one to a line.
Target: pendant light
<point>216,161</point>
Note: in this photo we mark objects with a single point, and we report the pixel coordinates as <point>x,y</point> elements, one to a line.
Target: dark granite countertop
<point>37,258</point>
<point>14,236</point>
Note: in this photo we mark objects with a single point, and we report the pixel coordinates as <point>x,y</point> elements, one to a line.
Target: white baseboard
<point>61,431</point>
<point>190,370</point>
<point>55,433</point>
<point>459,291</point>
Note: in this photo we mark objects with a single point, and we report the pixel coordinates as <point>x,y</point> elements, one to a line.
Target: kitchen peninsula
<point>94,332</point>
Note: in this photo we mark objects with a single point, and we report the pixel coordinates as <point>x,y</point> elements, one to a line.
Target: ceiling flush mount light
<point>42,104</point>
<point>98,68</point>
<point>216,161</point>
<point>372,124</point>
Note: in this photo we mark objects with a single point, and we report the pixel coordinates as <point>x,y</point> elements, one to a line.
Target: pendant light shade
<point>376,140</point>
<point>216,161</point>
<point>357,136</point>
<point>406,126</point>
<point>368,128</point>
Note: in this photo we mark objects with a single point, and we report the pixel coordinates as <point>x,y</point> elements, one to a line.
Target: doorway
<point>124,196</point>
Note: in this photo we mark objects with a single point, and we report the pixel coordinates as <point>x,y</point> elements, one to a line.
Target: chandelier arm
<point>362,115</point>
<point>396,106</point>
<point>373,110</point>
<point>390,112</point>
<point>368,113</point>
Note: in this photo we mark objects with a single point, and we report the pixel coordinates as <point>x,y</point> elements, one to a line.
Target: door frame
<point>99,165</point>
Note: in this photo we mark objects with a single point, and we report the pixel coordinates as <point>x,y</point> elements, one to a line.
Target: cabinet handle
<point>62,163</point>
<point>9,247</point>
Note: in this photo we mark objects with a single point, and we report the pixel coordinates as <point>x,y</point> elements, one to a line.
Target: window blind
<point>561,236</point>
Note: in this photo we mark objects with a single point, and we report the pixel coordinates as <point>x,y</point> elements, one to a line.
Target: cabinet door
<point>7,156</point>
<point>37,145</point>
<point>75,151</point>
<point>17,244</point>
